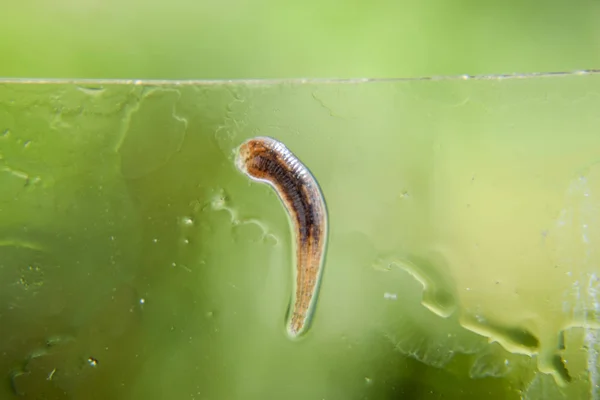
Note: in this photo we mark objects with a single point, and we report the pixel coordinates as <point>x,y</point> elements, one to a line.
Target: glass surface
<point>136,261</point>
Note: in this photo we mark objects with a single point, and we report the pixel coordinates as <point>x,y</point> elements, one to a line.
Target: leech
<point>266,160</point>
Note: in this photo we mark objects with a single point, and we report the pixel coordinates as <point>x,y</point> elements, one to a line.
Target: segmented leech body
<point>266,160</point>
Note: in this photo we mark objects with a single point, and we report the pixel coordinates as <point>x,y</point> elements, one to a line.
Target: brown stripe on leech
<point>267,160</point>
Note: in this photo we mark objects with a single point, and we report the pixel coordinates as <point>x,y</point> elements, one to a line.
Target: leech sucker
<point>266,160</point>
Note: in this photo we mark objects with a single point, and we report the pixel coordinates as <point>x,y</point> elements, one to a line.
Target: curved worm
<point>264,159</point>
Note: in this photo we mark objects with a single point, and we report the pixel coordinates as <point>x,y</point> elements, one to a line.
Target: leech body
<point>266,160</point>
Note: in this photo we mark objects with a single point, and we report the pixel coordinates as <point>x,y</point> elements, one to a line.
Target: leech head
<point>249,153</point>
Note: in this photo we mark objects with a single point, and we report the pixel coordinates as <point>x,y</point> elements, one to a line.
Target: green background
<point>226,39</point>
<point>137,263</point>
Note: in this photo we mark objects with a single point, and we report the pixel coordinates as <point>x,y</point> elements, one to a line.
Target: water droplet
<point>92,362</point>
<point>27,143</point>
<point>187,221</point>
<point>368,380</point>
<point>390,296</point>
<point>142,301</point>
<point>218,202</point>
<point>271,239</point>
<point>155,240</point>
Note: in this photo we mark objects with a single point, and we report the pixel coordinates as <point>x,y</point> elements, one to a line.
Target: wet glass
<point>137,262</point>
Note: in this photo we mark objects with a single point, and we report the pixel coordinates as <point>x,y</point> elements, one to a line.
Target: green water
<point>136,262</point>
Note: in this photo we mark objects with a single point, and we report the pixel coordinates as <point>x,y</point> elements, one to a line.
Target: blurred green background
<point>137,263</point>
<point>226,39</point>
